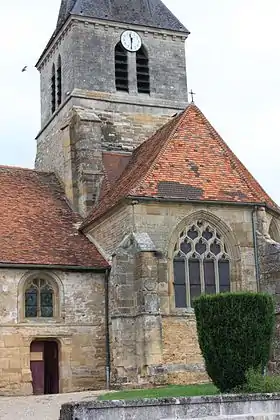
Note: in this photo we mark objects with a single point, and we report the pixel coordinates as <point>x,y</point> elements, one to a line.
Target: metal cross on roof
<point>192,95</point>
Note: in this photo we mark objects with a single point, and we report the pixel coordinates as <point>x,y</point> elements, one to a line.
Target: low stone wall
<point>241,407</point>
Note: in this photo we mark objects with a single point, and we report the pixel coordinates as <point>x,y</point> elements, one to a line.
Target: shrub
<point>257,383</point>
<point>235,334</point>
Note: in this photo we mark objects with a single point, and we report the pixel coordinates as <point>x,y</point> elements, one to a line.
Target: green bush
<point>235,334</point>
<point>257,383</point>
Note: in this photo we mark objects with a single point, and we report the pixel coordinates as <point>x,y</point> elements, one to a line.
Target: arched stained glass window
<point>39,299</point>
<point>201,264</point>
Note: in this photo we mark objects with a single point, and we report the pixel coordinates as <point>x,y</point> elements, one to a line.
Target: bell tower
<point>112,73</point>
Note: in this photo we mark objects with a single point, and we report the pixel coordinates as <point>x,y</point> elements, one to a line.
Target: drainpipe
<point>107,332</point>
<point>256,251</point>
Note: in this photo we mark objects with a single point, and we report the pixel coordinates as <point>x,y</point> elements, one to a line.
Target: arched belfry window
<point>121,68</point>
<point>201,264</point>
<point>53,90</point>
<point>40,295</point>
<point>59,82</point>
<point>143,72</point>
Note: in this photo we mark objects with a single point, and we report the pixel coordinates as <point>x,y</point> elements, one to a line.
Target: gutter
<point>54,267</point>
<point>107,330</point>
<point>256,251</point>
<point>186,201</point>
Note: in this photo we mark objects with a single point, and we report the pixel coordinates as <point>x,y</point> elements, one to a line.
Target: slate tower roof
<point>151,13</point>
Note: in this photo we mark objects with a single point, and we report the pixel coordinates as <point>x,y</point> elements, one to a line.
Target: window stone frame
<point>199,228</point>
<point>233,250</point>
<point>58,297</point>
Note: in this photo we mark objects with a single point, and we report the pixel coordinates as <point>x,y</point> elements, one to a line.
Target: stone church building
<point>136,206</point>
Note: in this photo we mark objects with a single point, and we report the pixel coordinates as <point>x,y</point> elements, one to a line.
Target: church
<point>135,207</point>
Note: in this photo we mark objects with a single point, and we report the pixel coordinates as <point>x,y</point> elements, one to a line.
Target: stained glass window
<point>201,264</point>
<point>39,299</point>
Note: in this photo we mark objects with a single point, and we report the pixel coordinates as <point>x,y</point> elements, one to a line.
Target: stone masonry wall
<point>87,51</point>
<point>110,233</point>
<point>163,222</point>
<point>222,407</point>
<point>180,360</point>
<point>79,330</point>
<point>125,120</point>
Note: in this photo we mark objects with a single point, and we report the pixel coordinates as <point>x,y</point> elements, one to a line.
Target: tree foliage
<point>235,334</point>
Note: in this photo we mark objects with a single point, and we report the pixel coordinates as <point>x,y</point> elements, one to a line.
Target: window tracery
<point>201,263</point>
<point>39,299</point>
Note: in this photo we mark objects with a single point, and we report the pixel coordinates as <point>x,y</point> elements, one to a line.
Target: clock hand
<point>131,40</point>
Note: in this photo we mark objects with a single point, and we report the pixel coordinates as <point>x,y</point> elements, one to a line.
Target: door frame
<point>58,342</point>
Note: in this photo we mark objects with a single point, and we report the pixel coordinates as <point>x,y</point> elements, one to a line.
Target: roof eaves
<point>54,267</point>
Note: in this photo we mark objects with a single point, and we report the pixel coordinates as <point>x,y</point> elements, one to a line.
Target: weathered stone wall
<point>79,329</point>
<point>71,144</point>
<point>87,52</point>
<point>269,256</point>
<point>223,407</point>
<point>110,232</point>
<point>178,357</point>
<point>181,352</point>
<point>121,121</point>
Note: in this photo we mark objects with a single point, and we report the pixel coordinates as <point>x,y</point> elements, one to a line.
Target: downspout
<point>256,251</point>
<point>107,331</point>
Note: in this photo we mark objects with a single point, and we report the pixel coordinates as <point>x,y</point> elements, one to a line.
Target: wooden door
<point>51,367</point>
<point>37,367</point>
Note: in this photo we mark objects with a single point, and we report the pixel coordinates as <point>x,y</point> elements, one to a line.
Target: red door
<point>37,367</point>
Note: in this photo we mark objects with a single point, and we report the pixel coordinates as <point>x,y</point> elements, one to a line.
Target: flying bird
<point>24,69</point>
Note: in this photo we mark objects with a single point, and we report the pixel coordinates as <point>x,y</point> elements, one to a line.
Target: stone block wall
<point>167,349</point>
<point>78,328</point>
<point>111,232</point>
<point>222,407</point>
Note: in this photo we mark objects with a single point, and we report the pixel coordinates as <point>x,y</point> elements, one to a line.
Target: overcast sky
<point>233,60</point>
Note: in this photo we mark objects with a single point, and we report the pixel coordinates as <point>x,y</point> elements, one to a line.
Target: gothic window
<point>53,90</point>
<point>201,264</point>
<point>39,299</point>
<point>143,72</point>
<point>59,82</point>
<point>121,68</point>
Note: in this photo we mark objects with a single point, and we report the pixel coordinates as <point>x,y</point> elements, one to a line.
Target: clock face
<point>131,41</point>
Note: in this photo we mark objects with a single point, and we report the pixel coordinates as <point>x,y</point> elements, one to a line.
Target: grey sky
<point>233,61</point>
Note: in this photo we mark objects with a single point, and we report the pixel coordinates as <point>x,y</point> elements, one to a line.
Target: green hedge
<point>235,334</point>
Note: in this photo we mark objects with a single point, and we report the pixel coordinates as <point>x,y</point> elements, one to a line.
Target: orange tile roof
<point>185,159</point>
<point>37,225</point>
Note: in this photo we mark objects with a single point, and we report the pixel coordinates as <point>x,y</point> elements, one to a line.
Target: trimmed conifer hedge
<point>235,334</point>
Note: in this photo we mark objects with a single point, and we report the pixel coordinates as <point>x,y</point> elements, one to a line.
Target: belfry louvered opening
<point>59,82</point>
<point>143,71</point>
<point>121,68</point>
<point>53,90</point>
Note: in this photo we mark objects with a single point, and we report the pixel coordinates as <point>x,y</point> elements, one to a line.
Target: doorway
<point>44,367</point>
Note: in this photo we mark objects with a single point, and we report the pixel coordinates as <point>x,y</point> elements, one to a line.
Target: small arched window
<point>201,264</point>
<point>143,71</point>
<point>39,298</point>
<point>121,68</point>
<point>53,90</point>
<point>59,82</point>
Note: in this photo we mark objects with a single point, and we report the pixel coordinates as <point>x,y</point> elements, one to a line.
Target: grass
<point>170,391</point>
